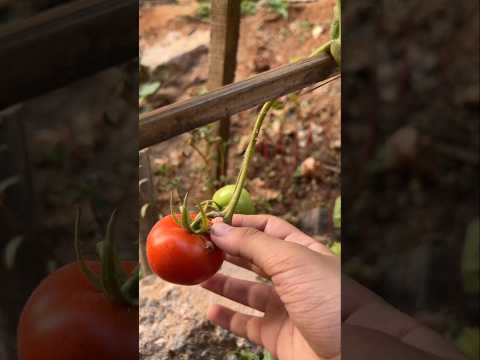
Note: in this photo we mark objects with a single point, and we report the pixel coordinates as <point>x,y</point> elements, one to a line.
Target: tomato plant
<point>66,317</point>
<point>84,310</point>
<point>223,196</point>
<point>179,256</point>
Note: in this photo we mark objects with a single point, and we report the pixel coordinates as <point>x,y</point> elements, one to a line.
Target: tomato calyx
<point>114,282</point>
<point>200,224</point>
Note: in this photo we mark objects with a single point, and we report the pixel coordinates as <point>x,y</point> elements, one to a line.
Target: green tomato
<point>244,206</point>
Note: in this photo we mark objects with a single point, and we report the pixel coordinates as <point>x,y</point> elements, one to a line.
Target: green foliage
<point>204,9</point>
<point>336,34</point>
<point>305,25</point>
<point>267,356</point>
<point>337,213</point>
<point>248,7</point>
<point>279,6</point>
<point>244,354</point>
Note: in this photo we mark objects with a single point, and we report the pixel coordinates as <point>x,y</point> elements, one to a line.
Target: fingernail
<point>220,229</point>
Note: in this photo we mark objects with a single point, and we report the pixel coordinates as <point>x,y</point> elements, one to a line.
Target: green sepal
<point>110,276</point>
<point>185,215</point>
<point>91,276</point>
<point>204,225</point>
<point>131,286</point>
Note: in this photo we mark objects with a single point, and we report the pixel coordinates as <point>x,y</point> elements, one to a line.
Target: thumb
<point>261,249</point>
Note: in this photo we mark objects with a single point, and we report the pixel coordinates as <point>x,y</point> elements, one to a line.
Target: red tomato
<point>180,257</point>
<point>66,318</point>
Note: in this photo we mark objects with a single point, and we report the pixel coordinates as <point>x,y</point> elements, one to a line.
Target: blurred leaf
<point>279,6</point>
<point>248,355</point>
<point>470,261</point>
<point>248,7</point>
<point>337,213</point>
<point>267,356</point>
<point>305,25</point>
<point>204,10</point>
<point>277,105</point>
<point>148,89</point>
<point>468,342</point>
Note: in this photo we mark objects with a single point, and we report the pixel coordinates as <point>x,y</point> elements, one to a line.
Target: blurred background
<point>73,147</point>
<point>410,158</point>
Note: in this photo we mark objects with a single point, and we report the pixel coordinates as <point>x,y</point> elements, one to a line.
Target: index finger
<point>268,224</point>
<point>280,229</point>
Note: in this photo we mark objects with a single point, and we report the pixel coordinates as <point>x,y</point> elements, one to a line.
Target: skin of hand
<point>302,306</point>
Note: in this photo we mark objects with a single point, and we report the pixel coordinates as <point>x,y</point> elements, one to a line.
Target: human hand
<point>302,306</point>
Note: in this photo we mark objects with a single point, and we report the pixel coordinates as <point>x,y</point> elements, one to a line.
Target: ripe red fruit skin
<point>66,318</point>
<point>180,257</point>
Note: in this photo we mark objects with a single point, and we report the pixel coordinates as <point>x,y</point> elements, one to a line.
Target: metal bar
<point>66,43</point>
<point>175,119</point>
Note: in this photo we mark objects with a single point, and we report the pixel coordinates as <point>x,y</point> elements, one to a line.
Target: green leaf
<point>248,7</point>
<point>470,261</point>
<point>279,6</point>
<point>337,213</point>
<point>204,10</point>
<point>248,355</point>
<point>148,89</point>
<point>267,356</point>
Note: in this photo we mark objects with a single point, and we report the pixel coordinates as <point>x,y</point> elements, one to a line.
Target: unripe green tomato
<point>244,206</point>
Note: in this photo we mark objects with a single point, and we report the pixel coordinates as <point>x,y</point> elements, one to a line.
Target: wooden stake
<point>225,25</point>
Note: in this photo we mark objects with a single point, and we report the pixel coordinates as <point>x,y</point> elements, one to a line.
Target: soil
<point>307,127</point>
<point>411,165</point>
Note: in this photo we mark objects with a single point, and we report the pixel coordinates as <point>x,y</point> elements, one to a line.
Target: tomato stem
<point>110,268</point>
<point>242,176</point>
<point>90,275</point>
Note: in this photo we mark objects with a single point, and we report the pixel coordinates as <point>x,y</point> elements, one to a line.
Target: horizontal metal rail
<point>63,44</point>
<point>172,120</point>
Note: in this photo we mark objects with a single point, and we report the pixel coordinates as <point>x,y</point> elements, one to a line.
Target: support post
<point>225,26</point>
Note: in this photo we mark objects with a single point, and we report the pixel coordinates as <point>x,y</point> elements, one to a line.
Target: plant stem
<point>242,176</point>
<point>324,48</point>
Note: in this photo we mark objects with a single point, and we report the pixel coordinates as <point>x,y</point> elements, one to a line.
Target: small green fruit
<point>244,206</point>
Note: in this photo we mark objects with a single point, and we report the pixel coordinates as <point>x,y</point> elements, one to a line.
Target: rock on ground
<point>173,324</point>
